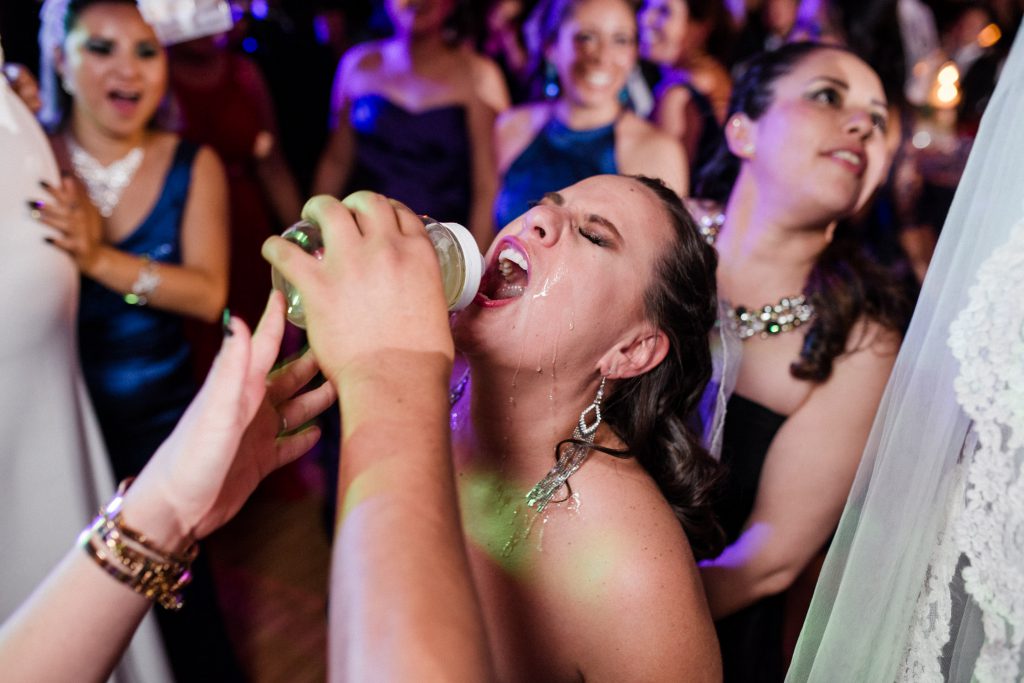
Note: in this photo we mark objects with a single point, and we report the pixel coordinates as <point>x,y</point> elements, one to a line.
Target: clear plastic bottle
<point>462,265</point>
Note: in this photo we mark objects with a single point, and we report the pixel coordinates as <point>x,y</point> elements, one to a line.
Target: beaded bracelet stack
<point>134,560</point>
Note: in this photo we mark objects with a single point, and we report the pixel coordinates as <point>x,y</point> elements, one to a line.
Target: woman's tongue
<point>123,103</point>
<point>505,281</point>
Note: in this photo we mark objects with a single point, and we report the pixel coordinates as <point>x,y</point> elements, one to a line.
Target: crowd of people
<point>704,227</point>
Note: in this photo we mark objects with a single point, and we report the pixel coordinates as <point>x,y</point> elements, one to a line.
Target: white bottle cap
<point>474,261</point>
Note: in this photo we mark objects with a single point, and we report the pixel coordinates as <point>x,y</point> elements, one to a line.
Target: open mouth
<point>853,160</point>
<point>124,96</point>
<point>506,277</point>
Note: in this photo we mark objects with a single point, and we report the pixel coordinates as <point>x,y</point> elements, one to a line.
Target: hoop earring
<point>569,461</point>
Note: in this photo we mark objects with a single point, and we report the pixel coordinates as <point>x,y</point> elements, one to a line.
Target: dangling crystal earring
<point>569,461</point>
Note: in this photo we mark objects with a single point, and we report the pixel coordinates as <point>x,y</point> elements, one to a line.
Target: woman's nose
<point>545,224</point>
<point>859,123</point>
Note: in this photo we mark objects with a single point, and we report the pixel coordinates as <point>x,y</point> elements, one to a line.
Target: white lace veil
<point>924,580</point>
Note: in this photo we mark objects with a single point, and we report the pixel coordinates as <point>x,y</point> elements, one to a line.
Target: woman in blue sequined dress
<point>413,116</point>
<point>591,45</point>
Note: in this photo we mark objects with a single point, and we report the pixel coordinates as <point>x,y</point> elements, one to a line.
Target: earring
<point>748,149</point>
<point>551,87</point>
<point>579,448</point>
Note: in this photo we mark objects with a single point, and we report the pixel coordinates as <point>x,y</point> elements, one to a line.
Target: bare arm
<point>805,480</point>
<point>649,151</point>
<point>271,167</point>
<point>403,604</point>
<point>197,287</point>
<point>195,482</point>
<point>490,99</point>
<point>335,165</point>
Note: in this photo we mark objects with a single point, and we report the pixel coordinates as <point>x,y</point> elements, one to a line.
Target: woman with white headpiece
<point>925,577</point>
<point>143,217</point>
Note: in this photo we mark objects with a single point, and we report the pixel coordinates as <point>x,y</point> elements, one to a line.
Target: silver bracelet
<point>145,284</point>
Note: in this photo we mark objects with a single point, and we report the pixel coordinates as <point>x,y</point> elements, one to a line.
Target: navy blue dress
<point>135,358</point>
<point>558,157</point>
<point>420,158</point>
<point>138,367</point>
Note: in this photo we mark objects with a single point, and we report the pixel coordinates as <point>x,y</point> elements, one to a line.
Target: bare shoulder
<point>362,57</point>
<point>643,148</point>
<point>515,128</point>
<point>488,81</point>
<point>641,612</point>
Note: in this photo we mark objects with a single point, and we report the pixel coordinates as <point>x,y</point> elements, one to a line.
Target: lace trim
<point>988,340</point>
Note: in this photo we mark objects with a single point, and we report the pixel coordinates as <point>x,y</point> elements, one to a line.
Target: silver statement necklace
<point>769,320</point>
<point>105,184</point>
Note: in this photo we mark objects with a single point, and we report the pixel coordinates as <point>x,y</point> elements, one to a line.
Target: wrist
<point>95,262</point>
<point>147,509</point>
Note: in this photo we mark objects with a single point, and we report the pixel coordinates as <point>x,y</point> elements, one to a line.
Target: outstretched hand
<point>377,289</point>
<point>234,432</point>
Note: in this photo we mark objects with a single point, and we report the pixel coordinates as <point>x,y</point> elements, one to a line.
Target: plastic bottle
<point>462,265</point>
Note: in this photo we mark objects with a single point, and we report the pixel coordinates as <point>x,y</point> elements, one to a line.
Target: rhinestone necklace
<point>771,319</point>
<point>105,184</point>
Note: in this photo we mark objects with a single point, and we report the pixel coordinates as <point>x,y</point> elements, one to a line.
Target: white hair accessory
<point>176,21</point>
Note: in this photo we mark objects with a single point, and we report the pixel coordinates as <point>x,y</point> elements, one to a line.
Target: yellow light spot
<point>948,74</point>
<point>989,36</point>
<point>947,94</point>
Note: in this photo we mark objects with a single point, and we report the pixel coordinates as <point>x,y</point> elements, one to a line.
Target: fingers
<point>222,390</point>
<point>292,446</point>
<point>304,407</point>
<point>374,213</point>
<point>290,377</point>
<point>337,225</point>
<point>266,341</point>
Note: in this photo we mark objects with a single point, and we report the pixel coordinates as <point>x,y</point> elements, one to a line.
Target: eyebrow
<point>557,199</point>
<point>845,86</point>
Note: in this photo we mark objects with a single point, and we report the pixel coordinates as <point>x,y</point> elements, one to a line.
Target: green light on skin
<point>496,520</point>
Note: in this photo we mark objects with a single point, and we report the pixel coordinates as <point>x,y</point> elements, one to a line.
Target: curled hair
<point>845,284</point>
<point>649,412</point>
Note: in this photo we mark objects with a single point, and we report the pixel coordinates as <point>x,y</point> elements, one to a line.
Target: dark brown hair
<point>845,285</point>
<point>649,412</point>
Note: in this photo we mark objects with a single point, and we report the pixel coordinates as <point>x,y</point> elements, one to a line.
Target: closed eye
<point>593,237</point>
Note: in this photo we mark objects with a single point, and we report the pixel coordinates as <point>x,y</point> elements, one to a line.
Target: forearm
<point>403,602</point>
<point>180,289</point>
<point>746,571</point>
<point>335,163</point>
<point>280,186</point>
<point>82,613</point>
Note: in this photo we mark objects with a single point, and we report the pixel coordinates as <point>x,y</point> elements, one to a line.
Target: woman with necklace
<point>143,216</point>
<point>585,130</point>
<point>805,148</point>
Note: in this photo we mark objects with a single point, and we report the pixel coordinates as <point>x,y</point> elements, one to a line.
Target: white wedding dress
<point>54,473</point>
<point>925,578</point>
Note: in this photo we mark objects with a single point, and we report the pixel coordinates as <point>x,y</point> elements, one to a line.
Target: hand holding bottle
<point>376,292</point>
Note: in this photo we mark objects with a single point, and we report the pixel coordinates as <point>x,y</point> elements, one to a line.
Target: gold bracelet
<point>132,559</point>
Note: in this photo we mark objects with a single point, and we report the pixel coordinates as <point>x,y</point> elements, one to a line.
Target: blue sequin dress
<point>558,157</point>
<point>135,359</point>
